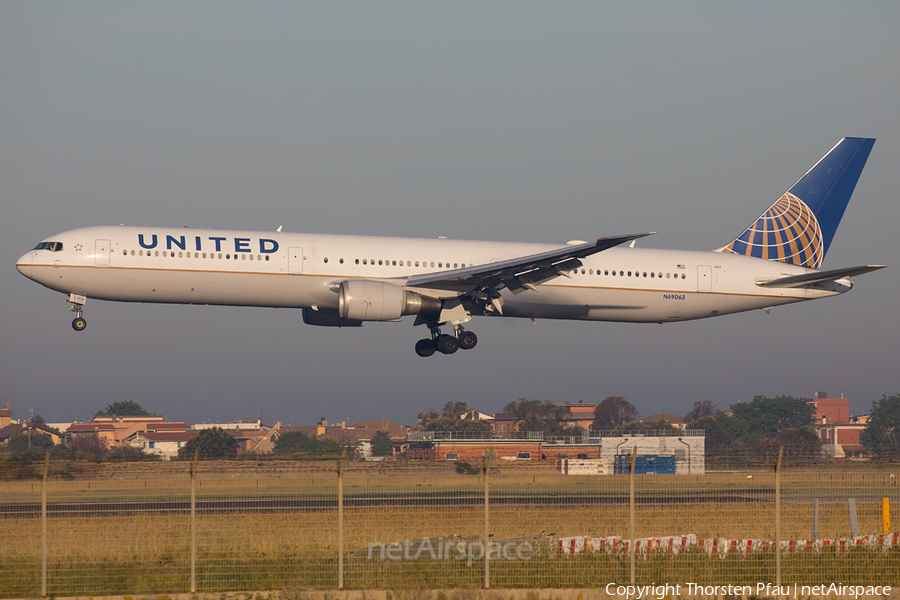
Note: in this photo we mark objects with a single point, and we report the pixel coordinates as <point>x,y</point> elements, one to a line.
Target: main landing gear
<point>79,323</point>
<point>446,344</point>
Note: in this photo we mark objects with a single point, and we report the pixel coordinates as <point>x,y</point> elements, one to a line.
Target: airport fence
<point>216,526</point>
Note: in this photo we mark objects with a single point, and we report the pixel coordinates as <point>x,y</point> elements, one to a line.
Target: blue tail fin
<point>799,227</point>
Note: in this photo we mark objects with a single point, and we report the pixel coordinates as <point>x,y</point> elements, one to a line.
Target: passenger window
<point>132,252</point>
<point>228,256</point>
<point>394,263</point>
<point>379,262</point>
<point>326,260</point>
<point>432,264</point>
<point>683,275</point>
<point>357,261</point>
<point>156,253</point>
<point>417,263</point>
<point>645,273</point>
<point>439,265</point>
<point>652,275</point>
<point>454,266</point>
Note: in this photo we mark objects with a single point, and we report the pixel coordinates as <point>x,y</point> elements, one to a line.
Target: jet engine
<point>364,300</point>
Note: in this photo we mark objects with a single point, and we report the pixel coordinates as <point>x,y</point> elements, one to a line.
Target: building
<point>163,443</point>
<point>837,429</point>
<point>118,430</point>
<point>6,415</point>
<point>830,410</point>
<point>674,421</point>
<point>688,447</point>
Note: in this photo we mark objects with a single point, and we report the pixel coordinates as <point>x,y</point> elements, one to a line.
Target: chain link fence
<point>219,526</point>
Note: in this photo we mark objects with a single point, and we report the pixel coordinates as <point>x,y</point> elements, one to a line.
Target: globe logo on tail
<point>788,232</point>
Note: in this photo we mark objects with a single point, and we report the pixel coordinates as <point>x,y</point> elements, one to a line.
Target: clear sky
<point>521,121</point>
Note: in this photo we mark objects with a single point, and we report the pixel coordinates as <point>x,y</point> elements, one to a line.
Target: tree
<point>534,415</point>
<point>381,444</point>
<point>129,454</point>
<point>89,443</point>
<point>613,413</point>
<point>297,442</point>
<point>881,437</point>
<point>454,409</point>
<point>22,441</point>
<point>702,408</point>
<point>125,408</point>
<point>213,443</point>
<point>38,420</point>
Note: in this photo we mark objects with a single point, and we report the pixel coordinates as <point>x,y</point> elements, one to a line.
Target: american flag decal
<point>680,266</point>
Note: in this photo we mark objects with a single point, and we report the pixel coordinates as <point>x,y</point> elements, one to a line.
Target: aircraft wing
<point>518,274</point>
<point>819,276</point>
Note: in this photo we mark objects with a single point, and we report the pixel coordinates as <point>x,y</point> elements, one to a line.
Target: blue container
<point>644,464</point>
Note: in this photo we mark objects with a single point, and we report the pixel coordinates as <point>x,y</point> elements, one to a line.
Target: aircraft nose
<point>24,264</point>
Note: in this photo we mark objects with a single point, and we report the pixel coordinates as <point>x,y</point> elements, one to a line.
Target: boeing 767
<point>346,280</point>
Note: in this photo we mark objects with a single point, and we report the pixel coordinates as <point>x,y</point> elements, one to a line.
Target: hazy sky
<point>507,120</point>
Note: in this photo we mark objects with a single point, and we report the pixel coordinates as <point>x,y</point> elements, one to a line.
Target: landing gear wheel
<point>425,348</point>
<point>447,344</point>
<point>79,324</point>
<point>467,340</point>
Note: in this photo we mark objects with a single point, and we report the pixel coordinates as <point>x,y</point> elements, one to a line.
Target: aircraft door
<point>704,278</point>
<point>295,260</point>
<point>101,253</point>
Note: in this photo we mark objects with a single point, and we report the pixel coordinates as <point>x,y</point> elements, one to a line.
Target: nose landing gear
<point>79,323</point>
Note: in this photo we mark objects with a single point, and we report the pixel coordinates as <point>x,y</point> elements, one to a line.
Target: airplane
<point>346,280</point>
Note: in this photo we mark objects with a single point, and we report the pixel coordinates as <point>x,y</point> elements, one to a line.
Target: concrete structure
<point>688,447</point>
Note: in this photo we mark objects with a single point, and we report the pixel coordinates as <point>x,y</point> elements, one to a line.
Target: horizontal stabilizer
<point>818,277</point>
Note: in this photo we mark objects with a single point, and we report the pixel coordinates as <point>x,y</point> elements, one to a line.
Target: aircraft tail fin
<point>799,227</point>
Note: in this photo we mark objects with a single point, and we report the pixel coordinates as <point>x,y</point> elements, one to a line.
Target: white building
<point>688,447</point>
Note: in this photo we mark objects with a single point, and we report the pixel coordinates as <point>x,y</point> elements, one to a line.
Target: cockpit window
<point>51,246</point>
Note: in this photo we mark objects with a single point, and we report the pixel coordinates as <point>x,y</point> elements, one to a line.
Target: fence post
<point>815,520</point>
<point>487,521</point>
<point>341,519</point>
<point>631,462</point>
<point>885,515</point>
<point>194,521</point>
<point>778,517</point>
<point>44,525</point>
<point>854,522</point>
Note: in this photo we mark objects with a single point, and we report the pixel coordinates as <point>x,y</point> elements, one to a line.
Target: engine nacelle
<point>364,300</point>
<point>327,317</point>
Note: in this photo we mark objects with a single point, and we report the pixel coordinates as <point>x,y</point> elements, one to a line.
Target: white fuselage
<point>275,269</point>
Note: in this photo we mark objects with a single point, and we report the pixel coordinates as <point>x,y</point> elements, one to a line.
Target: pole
<point>487,521</point>
<point>44,525</point>
<point>778,517</point>
<point>341,520</point>
<point>631,463</point>
<point>885,515</point>
<point>815,519</point>
<point>194,521</point>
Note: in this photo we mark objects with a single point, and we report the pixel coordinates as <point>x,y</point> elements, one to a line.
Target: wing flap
<point>818,276</point>
<point>521,273</point>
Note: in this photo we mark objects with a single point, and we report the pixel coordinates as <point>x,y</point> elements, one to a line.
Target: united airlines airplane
<point>345,280</point>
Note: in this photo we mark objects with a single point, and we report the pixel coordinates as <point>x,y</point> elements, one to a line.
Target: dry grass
<point>124,553</point>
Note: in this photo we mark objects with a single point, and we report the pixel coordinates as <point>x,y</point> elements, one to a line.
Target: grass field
<point>122,552</point>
